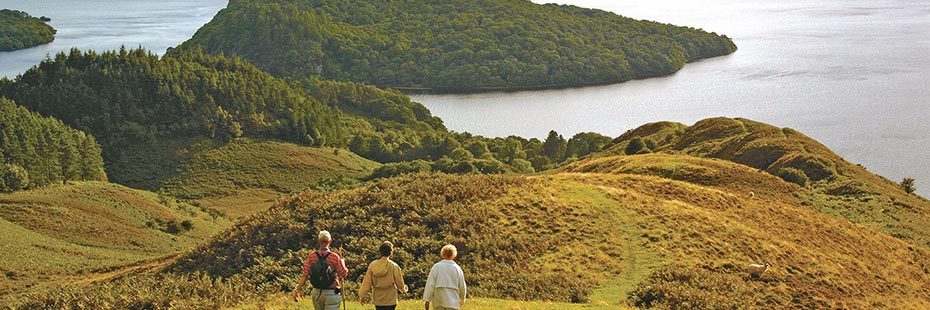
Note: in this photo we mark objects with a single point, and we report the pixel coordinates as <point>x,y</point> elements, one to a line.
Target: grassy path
<point>638,261</point>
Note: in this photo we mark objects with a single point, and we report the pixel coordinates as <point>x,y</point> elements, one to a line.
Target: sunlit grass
<point>59,233</point>
<point>246,175</point>
<point>283,302</point>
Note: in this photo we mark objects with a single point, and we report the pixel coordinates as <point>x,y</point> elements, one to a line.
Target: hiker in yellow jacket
<point>384,279</point>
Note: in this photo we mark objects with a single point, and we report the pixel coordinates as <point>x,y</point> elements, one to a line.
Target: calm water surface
<point>107,25</point>
<point>853,74</point>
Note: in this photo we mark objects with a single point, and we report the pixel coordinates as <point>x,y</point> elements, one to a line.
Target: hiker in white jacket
<point>445,286</point>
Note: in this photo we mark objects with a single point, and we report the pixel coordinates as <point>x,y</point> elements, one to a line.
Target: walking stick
<point>342,294</point>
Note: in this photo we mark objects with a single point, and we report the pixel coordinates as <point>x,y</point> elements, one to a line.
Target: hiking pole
<point>342,294</point>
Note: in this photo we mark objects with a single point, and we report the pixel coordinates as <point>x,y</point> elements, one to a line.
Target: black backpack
<point>322,275</point>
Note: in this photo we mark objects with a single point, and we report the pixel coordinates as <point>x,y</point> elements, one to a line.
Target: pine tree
<point>554,147</point>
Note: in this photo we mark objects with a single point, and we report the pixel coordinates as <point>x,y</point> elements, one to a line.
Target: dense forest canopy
<point>153,113</point>
<point>138,104</point>
<point>38,150</point>
<point>457,45</point>
<point>19,30</point>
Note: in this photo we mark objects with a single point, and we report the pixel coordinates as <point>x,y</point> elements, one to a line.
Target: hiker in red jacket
<point>326,271</point>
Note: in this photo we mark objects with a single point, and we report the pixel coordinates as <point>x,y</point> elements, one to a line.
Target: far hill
<point>63,233</point>
<point>835,185</point>
<point>458,45</point>
<point>245,176</point>
<point>19,30</point>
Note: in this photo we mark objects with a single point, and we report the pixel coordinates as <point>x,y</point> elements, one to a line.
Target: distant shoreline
<point>428,90</point>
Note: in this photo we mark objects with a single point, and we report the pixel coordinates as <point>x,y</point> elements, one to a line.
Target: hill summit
<point>833,185</point>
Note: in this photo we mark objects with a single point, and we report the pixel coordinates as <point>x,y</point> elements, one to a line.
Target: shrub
<point>13,178</point>
<point>490,166</point>
<point>793,175</point>
<point>463,167</point>
<point>650,144</point>
<point>334,183</point>
<point>908,185</point>
<point>816,167</point>
<point>395,169</point>
<point>637,146</point>
<point>522,166</point>
<point>172,227</point>
<point>187,225</point>
<point>681,287</point>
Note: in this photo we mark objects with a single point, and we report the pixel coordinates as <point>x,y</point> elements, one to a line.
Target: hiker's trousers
<point>325,299</point>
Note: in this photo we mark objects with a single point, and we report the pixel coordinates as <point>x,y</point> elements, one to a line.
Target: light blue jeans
<point>325,299</point>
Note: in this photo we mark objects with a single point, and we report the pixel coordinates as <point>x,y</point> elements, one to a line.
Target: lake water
<point>853,74</point>
<point>107,25</point>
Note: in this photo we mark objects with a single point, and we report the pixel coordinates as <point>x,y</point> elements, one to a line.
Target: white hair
<point>449,252</point>
<point>324,236</point>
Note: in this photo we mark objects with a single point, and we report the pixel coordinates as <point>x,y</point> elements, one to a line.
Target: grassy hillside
<point>645,230</point>
<point>458,45</point>
<point>62,233</point>
<point>672,229</point>
<point>835,186</point>
<point>246,175</point>
<point>19,30</point>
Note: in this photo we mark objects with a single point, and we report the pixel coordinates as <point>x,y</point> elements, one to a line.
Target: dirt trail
<point>116,272</point>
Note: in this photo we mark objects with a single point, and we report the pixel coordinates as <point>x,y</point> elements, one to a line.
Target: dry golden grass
<point>839,187</point>
<point>819,259</point>
<point>59,233</point>
<point>246,176</point>
<point>644,225</point>
<point>636,233</point>
<point>626,220</point>
<point>610,231</point>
